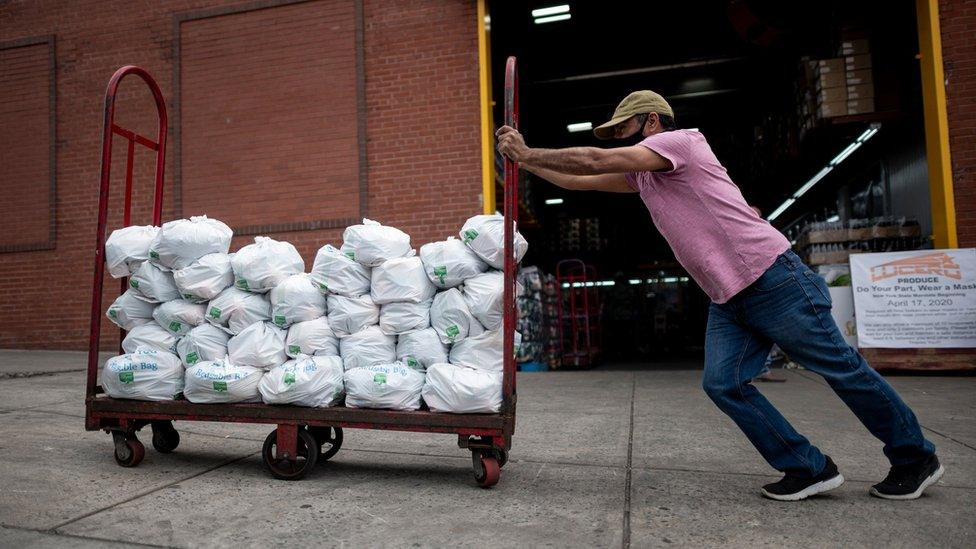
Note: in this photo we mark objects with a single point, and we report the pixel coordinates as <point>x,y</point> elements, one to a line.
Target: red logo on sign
<point>939,263</point>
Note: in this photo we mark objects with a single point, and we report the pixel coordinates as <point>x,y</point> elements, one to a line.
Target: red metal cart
<point>303,435</point>
<point>579,313</point>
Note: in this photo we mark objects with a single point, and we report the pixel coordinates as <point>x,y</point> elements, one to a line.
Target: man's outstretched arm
<point>611,182</point>
<point>580,160</point>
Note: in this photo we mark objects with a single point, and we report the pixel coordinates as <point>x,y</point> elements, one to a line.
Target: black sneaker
<point>795,488</point>
<point>909,481</point>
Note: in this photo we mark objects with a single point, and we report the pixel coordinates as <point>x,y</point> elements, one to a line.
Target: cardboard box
<point>860,91</point>
<point>863,76</point>
<point>836,64</point>
<point>831,80</point>
<point>831,95</point>
<point>860,106</point>
<point>857,62</point>
<point>829,110</point>
<point>854,47</point>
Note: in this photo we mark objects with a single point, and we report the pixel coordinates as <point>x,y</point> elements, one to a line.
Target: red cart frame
<point>303,435</point>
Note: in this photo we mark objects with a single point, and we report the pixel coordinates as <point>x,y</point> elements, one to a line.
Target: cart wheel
<point>501,455</point>
<point>130,453</point>
<point>486,469</point>
<point>287,469</point>
<point>165,437</point>
<point>329,440</point>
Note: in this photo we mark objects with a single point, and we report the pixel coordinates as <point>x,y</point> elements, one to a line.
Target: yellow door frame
<point>936,125</point>
<point>487,126</point>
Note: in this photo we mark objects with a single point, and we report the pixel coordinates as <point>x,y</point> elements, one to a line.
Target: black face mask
<point>639,134</point>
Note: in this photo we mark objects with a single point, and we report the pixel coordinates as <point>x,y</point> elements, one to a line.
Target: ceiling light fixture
<point>579,127</point>
<point>552,18</point>
<point>551,10</point>
<point>553,201</point>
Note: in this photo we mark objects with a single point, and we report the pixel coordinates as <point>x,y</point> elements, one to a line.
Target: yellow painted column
<point>487,126</point>
<point>936,125</point>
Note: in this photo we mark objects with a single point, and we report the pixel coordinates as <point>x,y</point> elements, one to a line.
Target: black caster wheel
<point>329,440</point>
<point>501,455</point>
<point>129,451</point>
<point>295,468</point>
<point>165,438</point>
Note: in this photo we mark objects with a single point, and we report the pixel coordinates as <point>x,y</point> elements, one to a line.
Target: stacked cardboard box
<point>845,85</point>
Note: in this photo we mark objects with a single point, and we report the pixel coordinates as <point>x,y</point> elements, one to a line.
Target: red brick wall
<point>958,23</point>
<point>421,93</point>
<point>24,145</point>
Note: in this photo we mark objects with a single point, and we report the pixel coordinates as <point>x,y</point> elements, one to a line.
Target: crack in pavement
<point>80,537</point>
<point>625,540</point>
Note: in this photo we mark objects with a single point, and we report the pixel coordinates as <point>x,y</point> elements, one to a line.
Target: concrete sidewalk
<point>600,458</point>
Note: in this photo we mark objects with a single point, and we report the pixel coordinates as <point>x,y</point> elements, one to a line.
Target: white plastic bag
<point>128,311</point>
<point>261,345</point>
<point>314,381</point>
<point>484,295</point>
<point>146,374</point>
<point>449,315</point>
<point>180,316</point>
<point>236,309</point>
<point>181,242</point>
<point>203,343</point>
<point>312,337</point>
<point>450,262</point>
<point>154,284</point>
<point>367,347</point>
<point>221,381</point>
<point>421,349</point>
<point>401,279</point>
<point>205,278</point>
<point>390,386</point>
<point>151,335</point>
<point>296,299</point>
<point>334,272</point>
<point>397,318</point>
<point>461,390</point>
<point>348,315</point>
<point>128,248</point>
<point>261,266</point>
<point>485,235</point>
<point>371,243</point>
<point>481,352</point>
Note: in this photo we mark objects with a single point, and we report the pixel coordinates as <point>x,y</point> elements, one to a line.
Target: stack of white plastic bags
<point>373,324</point>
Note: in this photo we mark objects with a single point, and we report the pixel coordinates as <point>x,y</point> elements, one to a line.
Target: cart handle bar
<point>511,218</point>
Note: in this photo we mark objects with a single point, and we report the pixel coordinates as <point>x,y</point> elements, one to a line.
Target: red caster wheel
<point>501,455</point>
<point>128,451</point>
<point>486,469</point>
<point>329,440</point>
<point>294,468</point>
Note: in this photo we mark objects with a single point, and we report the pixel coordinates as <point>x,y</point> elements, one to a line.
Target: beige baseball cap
<point>638,102</point>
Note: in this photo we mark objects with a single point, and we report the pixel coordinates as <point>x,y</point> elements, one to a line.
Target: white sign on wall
<point>923,298</point>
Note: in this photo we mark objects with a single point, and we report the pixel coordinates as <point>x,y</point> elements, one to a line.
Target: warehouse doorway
<point>782,91</point>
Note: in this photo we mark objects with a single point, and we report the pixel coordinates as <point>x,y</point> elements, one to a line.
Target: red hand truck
<point>579,313</point>
<point>302,436</point>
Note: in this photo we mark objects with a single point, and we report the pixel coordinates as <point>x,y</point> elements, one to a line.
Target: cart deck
<point>303,435</point>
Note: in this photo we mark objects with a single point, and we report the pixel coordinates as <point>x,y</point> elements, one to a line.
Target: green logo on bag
<point>215,312</point>
<point>220,386</point>
<point>289,378</point>
<point>453,331</point>
<point>440,272</point>
<point>379,378</point>
<point>153,254</point>
<point>294,349</point>
<point>242,284</point>
<point>323,286</point>
<point>192,358</point>
<point>127,377</point>
<point>350,255</point>
<point>175,326</point>
<point>413,363</point>
<point>112,313</point>
<point>189,296</point>
<point>470,235</point>
<point>280,321</point>
<point>134,283</point>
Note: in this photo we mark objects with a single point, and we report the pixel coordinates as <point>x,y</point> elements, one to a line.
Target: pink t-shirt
<point>714,233</point>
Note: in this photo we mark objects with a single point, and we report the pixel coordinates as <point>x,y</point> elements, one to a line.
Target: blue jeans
<point>789,305</point>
